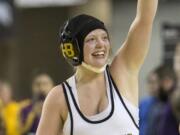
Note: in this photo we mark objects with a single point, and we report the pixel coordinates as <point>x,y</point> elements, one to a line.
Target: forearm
<point>136,46</point>
<point>146,10</point>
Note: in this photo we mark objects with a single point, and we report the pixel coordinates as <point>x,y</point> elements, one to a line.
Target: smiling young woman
<point>97,47</point>
<point>99,99</point>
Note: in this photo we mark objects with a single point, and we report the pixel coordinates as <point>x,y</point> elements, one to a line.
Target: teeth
<point>99,53</point>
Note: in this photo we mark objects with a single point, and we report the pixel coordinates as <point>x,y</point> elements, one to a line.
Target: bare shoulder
<point>56,95</point>
<point>54,113</point>
<point>56,99</point>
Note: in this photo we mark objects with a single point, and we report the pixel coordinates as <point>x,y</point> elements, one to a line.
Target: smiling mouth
<point>100,54</point>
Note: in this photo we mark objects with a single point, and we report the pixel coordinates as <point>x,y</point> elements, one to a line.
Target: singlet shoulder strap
<point>120,97</point>
<point>69,107</point>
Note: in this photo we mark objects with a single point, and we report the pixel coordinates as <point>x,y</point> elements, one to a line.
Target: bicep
<point>136,46</point>
<point>133,51</point>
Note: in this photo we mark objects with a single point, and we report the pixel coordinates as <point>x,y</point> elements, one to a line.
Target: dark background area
<point>33,45</point>
<point>31,42</point>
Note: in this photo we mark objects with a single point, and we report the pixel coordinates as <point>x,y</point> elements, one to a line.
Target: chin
<point>99,64</point>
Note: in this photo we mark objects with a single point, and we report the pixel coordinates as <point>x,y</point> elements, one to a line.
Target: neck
<point>94,69</point>
<point>85,75</point>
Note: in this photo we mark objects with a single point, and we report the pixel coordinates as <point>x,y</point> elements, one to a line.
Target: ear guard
<point>69,46</point>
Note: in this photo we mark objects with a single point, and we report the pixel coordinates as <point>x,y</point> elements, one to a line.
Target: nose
<point>100,43</point>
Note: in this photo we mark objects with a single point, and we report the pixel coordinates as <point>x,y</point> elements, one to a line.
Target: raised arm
<point>129,58</point>
<point>135,47</point>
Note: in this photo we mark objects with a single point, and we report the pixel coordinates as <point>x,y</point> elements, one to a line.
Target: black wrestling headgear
<point>72,36</point>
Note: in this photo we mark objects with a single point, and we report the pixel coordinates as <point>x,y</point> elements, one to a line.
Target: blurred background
<point>29,37</point>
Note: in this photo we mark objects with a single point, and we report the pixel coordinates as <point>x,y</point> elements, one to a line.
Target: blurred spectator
<point>10,110</point>
<point>147,103</point>
<point>167,85</point>
<point>168,82</point>
<point>42,83</point>
<point>169,119</point>
<point>171,116</point>
<point>153,83</point>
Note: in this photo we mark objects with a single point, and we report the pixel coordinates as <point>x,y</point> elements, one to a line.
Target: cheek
<point>87,49</point>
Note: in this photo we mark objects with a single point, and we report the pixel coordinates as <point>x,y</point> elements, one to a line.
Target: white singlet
<point>119,118</point>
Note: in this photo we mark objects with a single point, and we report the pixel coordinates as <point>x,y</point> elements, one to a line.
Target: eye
<point>105,38</point>
<point>91,39</point>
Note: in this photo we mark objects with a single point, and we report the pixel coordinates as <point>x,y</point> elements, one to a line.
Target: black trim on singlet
<point>122,101</point>
<point>69,108</point>
<point>82,115</point>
